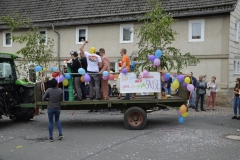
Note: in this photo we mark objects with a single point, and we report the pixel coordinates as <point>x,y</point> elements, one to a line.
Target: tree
<point>37,50</point>
<point>156,33</point>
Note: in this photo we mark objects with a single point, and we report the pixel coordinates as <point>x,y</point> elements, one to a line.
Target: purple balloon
<point>105,77</point>
<point>61,78</point>
<point>151,57</point>
<point>124,71</point>
<point>87,78</point>
<point>145,73</point>
<point>190,87</point>
<point>184,84</point>
<point>156,62</point>
<point>57,79</point>
<point>180,78</point>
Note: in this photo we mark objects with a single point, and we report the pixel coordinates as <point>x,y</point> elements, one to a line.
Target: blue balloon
<point>181,119</point>
<point>81,71</point>
<point>38,68</point>
<point>67,76</point>
<point>158,53</point>
<point>53,69</point>
<point>167,76</point>
<point>105,73</point>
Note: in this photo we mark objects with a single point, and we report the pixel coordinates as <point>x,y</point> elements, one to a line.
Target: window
<point>81,34</point>
<point>126,33</point>
<point>236,66</point>
<point>5,70</point>
<point>7,40</point>
<point>114,66</point>
<point>236,31</point>
<point>43,33</point>
<point>196,31</point>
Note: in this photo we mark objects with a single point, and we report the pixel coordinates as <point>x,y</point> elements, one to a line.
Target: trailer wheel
<point>135,118</point>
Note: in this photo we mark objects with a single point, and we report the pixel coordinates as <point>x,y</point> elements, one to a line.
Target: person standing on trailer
<point>75,64</point>
<point>94,63</point>
<point>105,67</point>
<point>55,96</point>
<point>83,60</point>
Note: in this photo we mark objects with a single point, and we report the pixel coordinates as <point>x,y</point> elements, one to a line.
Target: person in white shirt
<point>94,62</point>
<point>211,92</point>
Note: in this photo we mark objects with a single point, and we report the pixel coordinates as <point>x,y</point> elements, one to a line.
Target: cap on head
<point>93,50</point>
<point>74,53</point>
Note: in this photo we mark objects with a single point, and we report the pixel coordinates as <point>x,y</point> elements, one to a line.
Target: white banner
<point>130,83</point>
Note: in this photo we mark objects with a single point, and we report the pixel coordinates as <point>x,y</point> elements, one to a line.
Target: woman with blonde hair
<point>211,93</point>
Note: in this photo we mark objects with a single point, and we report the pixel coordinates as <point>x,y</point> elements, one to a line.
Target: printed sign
<point>130,83</point>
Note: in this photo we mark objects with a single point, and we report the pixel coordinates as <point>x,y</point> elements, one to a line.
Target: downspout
<point>58,47</point>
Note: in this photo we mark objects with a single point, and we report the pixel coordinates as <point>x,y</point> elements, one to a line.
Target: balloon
<point>167,76</point>
<point>38,68</point>
<point>53,69</point>
<point>175,84</point>
<point>124,71</point>
<point>65,82</point>
<point>105,77</point>
<point>151,57</point>
<point>115,75</point>
<point>57,79</point>
<point>61,78</point>
<point>81,71</point>
<point>111,77</point>
<point>44,69</point>
<point>183,109</point>
<point>145,73</point>
<point>54,74</point>
<point>105,73</point>
<point>92,50</point>
<point>158,53</point>
<point>180,78</point>
<point>156,62</point>
<point>67,76</point>
<point>181,119</point>
<point>187,80</point>
<point>184,84</point>
<point>82,79</point>
<point>185,114</point>
<point>87,78</point>
<point>178,112</point>
<point>190,87</point>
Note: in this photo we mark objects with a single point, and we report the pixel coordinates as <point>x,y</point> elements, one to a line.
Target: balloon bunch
<point>183,114</point>
<point>85,77</point>
<point>155,59</point>
<point>107,76</point>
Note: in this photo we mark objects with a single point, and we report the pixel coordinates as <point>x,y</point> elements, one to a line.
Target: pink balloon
<point>145,73</point>
<point>190,87</point>
<point>111,77</point>
<point>87,78</point>
<point>156,62</point>
<point>105,77</point>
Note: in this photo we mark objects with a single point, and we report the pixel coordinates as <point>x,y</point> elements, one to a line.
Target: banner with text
<point>130,83</point>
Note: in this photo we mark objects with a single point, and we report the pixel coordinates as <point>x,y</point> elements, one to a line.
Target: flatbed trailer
<point>134,110</point>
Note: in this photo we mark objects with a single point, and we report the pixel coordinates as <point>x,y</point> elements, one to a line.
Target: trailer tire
<point>135,118</point>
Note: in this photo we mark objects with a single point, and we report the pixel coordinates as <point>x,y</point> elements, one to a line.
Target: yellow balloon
<point>185,114</point>
<point>82,78</point>
<point>187,80</point>
<point>93,50</point>
<point>111,71</point>
<point>65,82</point>
<point>44,69</point>
<point>175,84</point>
<point>183,109</point>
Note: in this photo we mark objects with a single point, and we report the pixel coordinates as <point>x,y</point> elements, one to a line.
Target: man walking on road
<point>105,67</point>
<point>201,91</point>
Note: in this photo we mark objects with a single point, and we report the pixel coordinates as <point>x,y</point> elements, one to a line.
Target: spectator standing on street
<point>105,67</point>
<point>75,64</point>
<point>55,96</point>
<point>193,81</point>
<point>236,100</point>
<point>211,93</point>
<point>84,66</point>
<point>201,91</point>
<point>94,62</point>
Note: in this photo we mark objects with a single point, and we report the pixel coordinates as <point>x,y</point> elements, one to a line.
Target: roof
<point>8,55</point>
<point>74,12</point>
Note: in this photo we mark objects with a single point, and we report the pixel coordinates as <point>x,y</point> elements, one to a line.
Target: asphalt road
<point>103,136</point>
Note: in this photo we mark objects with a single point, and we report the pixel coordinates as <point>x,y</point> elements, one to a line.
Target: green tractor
<point>14,91</point>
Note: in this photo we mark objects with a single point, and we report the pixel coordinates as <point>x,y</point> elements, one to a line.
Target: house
<point>208,29</point>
